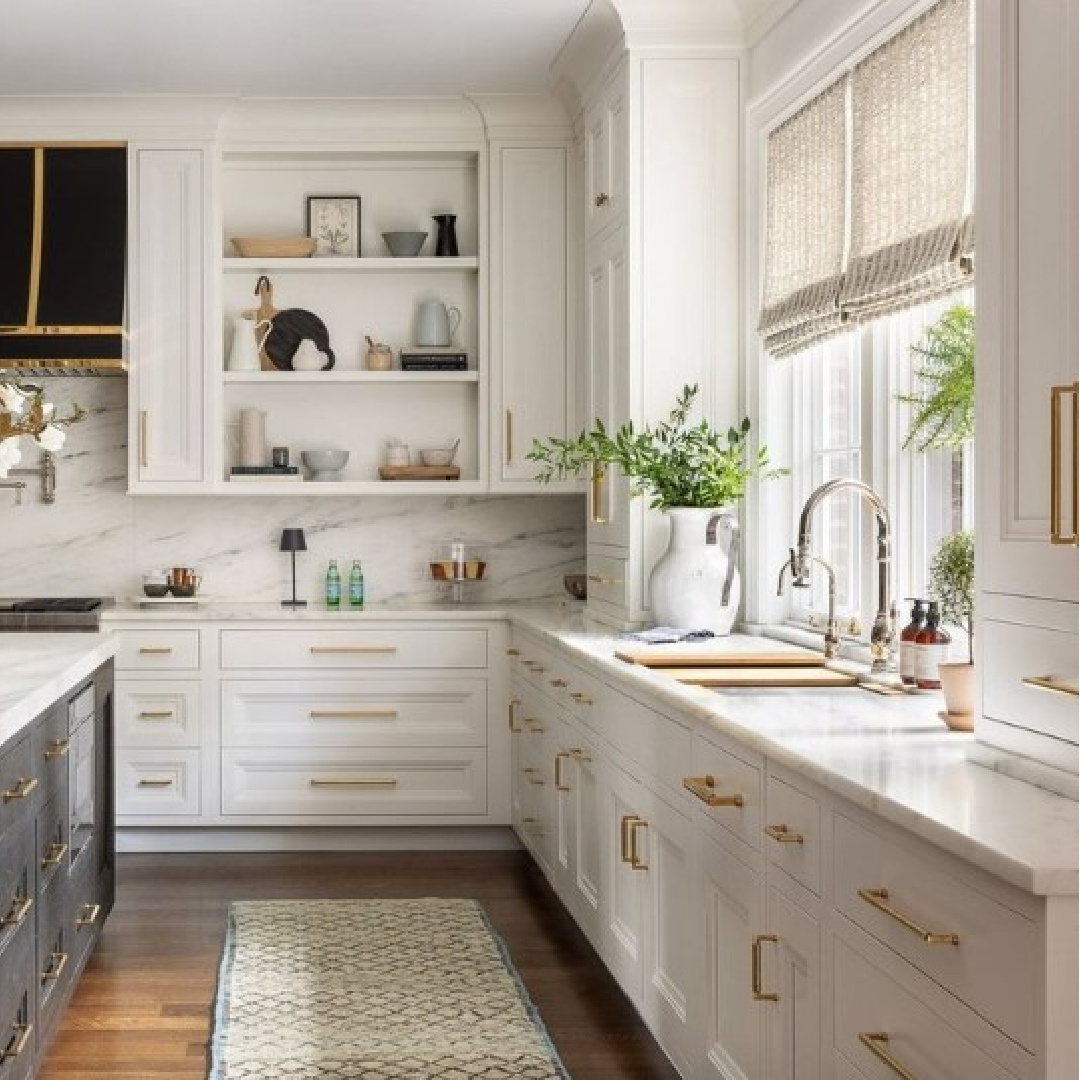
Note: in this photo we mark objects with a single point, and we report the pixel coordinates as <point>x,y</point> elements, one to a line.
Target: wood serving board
<point>671,656</point>
<point>760,677</point>
<point>419,472</point>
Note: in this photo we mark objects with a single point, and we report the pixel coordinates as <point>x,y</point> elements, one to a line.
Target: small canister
<point>379,357</point>
<point>397,454</point>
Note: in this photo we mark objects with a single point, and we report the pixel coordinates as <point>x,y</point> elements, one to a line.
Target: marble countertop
<point>260,611</point>
<point>891,755</point>
<point>37,669</point>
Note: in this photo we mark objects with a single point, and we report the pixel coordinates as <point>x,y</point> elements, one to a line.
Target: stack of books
<point>274,473</point>
<point>433,358</point>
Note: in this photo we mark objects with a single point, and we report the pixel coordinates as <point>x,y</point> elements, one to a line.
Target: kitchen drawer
<point>17,885</point>
<point>658,744</point>
<point>1011,654</point>
<point>994,968</point>
<point>368,648</point>
<point>54,959</point>
<point>18,785</point>
<point>157,712</point>
<point>52,841</point>
<point>869,1002</point>
<point>607,579</point>
<point>793,833</point>
<point>717,774</point>
<point>157,781</point>
<point>583,695</point>
<point>85,913</point>
<point>50,747</point>
<point>18,1012</point>
<point>378,781</point>
<point>536,665</point>
<point>374,712</point>
<point>157,650</point>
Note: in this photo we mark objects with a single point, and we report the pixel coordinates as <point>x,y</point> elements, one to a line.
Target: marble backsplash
<point>96,540</point>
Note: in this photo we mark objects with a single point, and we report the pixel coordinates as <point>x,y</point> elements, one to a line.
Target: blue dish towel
<point>666,635</point>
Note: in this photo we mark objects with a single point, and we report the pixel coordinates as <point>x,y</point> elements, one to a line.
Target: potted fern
<point>952,584</point>
<point>696,474</point>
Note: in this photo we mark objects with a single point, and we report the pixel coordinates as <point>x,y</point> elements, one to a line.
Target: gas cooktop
<point>52,613</point>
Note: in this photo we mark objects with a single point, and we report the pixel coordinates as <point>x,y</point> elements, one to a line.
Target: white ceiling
<point>286,48</point>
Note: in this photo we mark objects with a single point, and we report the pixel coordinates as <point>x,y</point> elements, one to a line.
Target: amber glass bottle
<point>931,649</point>
<point>907,642</point>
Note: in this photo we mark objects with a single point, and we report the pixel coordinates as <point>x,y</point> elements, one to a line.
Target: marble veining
<point>891,755</point>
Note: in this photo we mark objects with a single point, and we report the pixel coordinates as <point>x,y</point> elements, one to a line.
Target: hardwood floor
<point>142,1007</point>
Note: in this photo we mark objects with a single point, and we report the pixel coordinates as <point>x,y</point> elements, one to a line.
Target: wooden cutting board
<point>672,656</point>
<point>419,472</point>
<point>761,677</point>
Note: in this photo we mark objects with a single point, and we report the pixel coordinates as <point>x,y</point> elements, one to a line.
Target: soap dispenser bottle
<point>931,649</point>
<point>908,638</point>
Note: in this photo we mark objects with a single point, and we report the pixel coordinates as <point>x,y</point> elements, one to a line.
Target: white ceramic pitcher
<point>248,339</point>
<point>436,324</point>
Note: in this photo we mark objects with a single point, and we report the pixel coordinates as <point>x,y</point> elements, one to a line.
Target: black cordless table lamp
<point>292,540</point>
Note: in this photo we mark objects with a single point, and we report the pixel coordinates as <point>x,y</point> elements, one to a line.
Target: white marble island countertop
<point>37,669</point>
<point>891,755</point>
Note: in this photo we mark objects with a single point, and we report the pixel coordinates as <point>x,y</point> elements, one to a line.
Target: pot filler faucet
<point>883,634</point>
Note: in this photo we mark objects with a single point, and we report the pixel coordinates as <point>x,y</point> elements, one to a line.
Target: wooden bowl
<point>274,247</point>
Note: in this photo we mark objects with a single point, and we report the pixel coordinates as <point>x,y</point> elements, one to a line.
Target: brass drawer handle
<point>559,758</point>
<point>602,198</point>
<point>161,715</point>
<point>1057,537</point>
<point>635,858</point>
<point>23,788</point>
<point>317,650</point>
<point>155,650</point>
<point>57,748</point>
<point>879,898</point>
<point>704,788</point>
<point>601,579</point>
<point>353,781</point>
<point>580,755</point>
<point>353,714</point>
<point>534,727</point>
<point>1054,683</point>
<point>57,963</point>
<point>599,476</point>
<point>559,684</point>
<point>156,783</point>
<point>534,666</point>
<point>511,715</point>
<point>89,915</point>
<point>581,699</point>
<point>18,1042</point>
<point>532,775</point>
<point>782,834</point>
<point>20,908</point>
<point>54,855</point>
<point>755,968</point>
<point>512,651</point>
<point>624,835</point>
<point>876,1042</point>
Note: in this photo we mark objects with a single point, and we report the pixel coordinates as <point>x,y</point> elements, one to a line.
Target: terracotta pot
<point>958,684</point>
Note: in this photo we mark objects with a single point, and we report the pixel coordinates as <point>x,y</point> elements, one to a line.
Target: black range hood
<point>63,243</point>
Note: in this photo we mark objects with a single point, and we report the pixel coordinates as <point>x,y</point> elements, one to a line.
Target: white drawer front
<point>792,833</point>
<point>868,1002</point>
<point>373,712</point>
<point>993,968</point>
<point>715,773</point>
<point>1013,653</point>
<point>157,713</point>
<point>155,782</point>
<point>377,781</point>
<point>157,650</point>
<point>607,579</point>
<point>357,649</point>
<point>656,743</point>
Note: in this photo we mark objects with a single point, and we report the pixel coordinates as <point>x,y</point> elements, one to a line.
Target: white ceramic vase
<point>695,584</point>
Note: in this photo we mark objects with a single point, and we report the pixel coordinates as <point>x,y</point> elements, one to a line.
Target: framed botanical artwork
<point>334,223</point>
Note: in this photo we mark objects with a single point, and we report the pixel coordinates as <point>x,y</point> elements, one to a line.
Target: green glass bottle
<point>333,586</point>
<point>356,585</point>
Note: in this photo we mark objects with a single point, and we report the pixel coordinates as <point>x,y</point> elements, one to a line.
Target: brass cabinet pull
<point>624,835</point>
<point>23,788</point>
<point>602,198</point>
<point>601,579</point>
<point>353,714</point>
<point>144,439</point>
<point>599,475</point>
<point>319,649</point>
<point>513,652</point>
<point>509,437</point>
<point>54,855</point>
<point>511,715</point>
<point>879,898</point>
<point>18,1042</point>
<point>532,775</point>
<point>1054,683</point>
<point>876,1042</point>
<point>580,755</point>
<point>581,699</point>
<point>703,787</point>
<point>20,908</point>
<point>157,715</point>
<point>755,968</point>
<point>156,783</point>
<point>89,915</point>
<point>57,963</point>
<point>783,835</point>
<point>534,666</point>
<point>155,650</point>
<point>559,684</point>
<point>353,781</point>
<point>1057,394</point>
<point>635,858</point>
<point>559,758</point>
<point>534,727</point>
<point>57,748</point>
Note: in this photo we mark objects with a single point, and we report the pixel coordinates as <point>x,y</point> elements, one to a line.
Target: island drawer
<point>916,909</point>
<point>52,841</point>
<point>411,782</point>
<point>727,789</point>
<point>50,747</point>
<point>160,712</point>
<point>18,785</point>
<point>17,886</point>
<point>157,650</point>
<point>17,1007</point>
<point>793,832</point>
<point>657,743</point>
<point>357,649</point>
<point>154,781</point>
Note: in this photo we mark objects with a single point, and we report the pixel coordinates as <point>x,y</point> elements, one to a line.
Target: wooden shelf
<point>379,264</point>
<point>291,378</point>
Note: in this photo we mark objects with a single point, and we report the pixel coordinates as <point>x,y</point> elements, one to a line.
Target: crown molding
<point>122,117</point>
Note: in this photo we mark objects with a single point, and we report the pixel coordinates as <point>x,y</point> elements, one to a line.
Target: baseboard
<point>374,838</point>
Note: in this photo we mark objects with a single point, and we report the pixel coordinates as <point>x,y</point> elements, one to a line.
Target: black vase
<point>446,240</point>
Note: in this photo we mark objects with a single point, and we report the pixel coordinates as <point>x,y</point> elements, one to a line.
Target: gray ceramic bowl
<point>404,245</point>
<point>324,464</point>
<point>577,585</point>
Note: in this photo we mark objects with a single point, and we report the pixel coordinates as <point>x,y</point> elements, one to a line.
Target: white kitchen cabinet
<point>1026,344</point>
<point>170,309</point>
<point>605,138</point>
<point>533,380</point>
<point>585,870</point>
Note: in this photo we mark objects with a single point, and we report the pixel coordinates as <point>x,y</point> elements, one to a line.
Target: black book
<point>265,470</point>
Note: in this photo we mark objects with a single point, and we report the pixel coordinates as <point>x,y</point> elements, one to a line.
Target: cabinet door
<point>530,314</point>
<point>793,973</point>
<point>588,837</point>
<point>169,317</point>
<point>730,1023</point>
<point>605,154</point>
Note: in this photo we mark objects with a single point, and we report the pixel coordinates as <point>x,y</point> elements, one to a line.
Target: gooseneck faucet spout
<point>883,634</point>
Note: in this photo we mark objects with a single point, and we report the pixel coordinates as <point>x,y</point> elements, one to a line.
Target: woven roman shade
<point>912,234</point>
<point>804,257</point>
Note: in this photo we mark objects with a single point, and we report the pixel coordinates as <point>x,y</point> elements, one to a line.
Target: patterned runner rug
<point>373,989</point>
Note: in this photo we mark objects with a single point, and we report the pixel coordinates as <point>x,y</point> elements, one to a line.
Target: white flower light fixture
<point>24,411</point>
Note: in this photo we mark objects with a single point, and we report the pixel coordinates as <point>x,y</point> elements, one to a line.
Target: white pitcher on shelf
<point>249,337</point>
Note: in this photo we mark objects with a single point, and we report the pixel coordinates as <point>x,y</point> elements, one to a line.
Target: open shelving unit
<point>341,265</point>
<point>292,378</point>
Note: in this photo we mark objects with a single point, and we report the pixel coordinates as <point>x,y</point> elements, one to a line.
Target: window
<point>846,420</point>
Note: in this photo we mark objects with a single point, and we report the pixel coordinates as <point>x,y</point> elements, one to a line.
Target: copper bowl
<point>577,585</point>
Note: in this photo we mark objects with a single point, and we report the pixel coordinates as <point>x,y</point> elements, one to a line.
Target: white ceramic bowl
<point>324,464</point>
<point>441,455</point>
